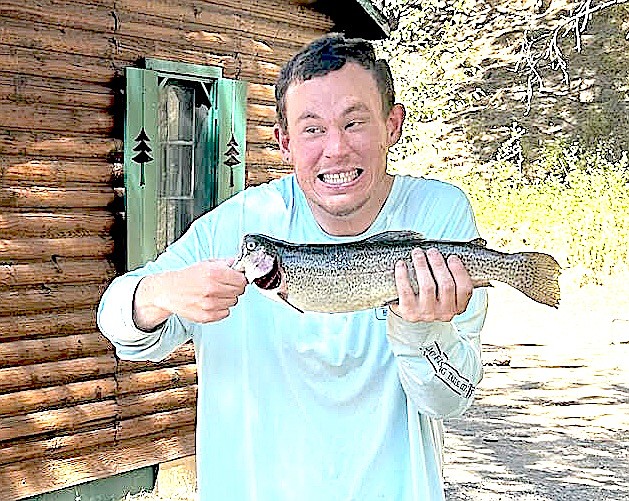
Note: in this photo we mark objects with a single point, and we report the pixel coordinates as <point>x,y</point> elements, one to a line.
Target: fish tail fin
<point>540,280</point>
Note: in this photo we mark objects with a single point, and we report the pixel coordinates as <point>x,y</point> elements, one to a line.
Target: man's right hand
<point>203,292</point>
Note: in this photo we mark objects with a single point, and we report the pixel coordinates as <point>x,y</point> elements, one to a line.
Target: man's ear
<point>284,143</point>
<point>395,121</point>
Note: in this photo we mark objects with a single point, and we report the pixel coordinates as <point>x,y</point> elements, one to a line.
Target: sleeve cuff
<point>409,338</point>
<point>118,316</point>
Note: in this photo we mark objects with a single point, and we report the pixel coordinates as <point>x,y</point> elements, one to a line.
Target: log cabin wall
<point>69,410</point>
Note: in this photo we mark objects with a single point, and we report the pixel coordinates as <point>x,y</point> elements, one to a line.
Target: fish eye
<point>251,245</point>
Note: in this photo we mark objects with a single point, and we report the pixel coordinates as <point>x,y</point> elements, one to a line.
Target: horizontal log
<point>97,69</point>
<point>154,423</point>
<point>58,224</point>
<point>26,34</point>
<point>156,380</point>
<point>45,197</point>
<point>158,401</point>
<point>79,68</point>
<point>58,420</point>
<point>258,134</point>
<point>25,450</point>
<point>239,66</point>
<point>28,172</point>
<point>91,69</point>
<point>184,355</point>
<point>56,373</point>
<point>261,114</point>
<point>46,473</point>
<point>261,94</point>
<point>47,118</point>
<point>263,174</point>
<point>67,395</point>
<point>23,61</point>
<point>135,35</point>
<point>214,39</point>
<point>21,249</point>
<point>63,323</point>
<point>27,143</point>
<point>264,157</point>
<point>291,14</point>
<point>20,301</point>
<point>56,271</point>
<point>62,14</point>
<point>35,90</point>
<point>52,349</point>
<point>157,16</point>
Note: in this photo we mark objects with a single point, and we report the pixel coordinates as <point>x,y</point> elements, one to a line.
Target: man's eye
<point>354,124</point>
<point>313,130</point>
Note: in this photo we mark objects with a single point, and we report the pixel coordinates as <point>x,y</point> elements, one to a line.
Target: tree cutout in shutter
<point>232,152</point>
<point>142,157</point>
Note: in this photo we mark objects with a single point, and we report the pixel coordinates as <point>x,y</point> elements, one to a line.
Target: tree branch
<point>542,50</point>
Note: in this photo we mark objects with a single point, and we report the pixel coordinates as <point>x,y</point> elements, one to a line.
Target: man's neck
<point>357,222</point>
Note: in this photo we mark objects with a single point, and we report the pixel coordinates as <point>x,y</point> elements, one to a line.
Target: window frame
<point>142,148</point>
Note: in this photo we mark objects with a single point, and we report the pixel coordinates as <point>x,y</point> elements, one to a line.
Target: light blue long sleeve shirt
<point>312,406</point>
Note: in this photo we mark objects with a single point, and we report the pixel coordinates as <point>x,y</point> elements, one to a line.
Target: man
<point>299,406</point>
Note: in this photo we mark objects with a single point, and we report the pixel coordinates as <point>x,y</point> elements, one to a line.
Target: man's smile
<point>340,177</point>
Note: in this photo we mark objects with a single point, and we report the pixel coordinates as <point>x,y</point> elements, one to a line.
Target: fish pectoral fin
<point>391,302</point>
<point>393,236</point>
<point>481,283</point>
<point>284,297</point>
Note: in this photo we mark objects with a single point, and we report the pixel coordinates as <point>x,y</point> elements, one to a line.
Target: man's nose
<point>336,143</point>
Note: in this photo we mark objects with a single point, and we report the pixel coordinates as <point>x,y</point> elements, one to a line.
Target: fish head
<point>257,258</point>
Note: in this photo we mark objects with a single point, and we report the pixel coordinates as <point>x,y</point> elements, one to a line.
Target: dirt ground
<point>551,416</point>
<point>550,420</point>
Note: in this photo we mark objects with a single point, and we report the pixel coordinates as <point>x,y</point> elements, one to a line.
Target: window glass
<point>183,125</point>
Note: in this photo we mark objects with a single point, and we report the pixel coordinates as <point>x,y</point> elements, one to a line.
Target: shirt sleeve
<point>439,363</point>
<point>115,311</point>
<point>115,321</point>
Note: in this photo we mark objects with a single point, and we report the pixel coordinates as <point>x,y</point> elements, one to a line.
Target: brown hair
<point>330,53</point>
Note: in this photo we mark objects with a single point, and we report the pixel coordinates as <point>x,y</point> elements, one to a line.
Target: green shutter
<point>141,163</point>
<point>232,126</point>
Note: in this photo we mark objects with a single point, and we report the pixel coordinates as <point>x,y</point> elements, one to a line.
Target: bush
<point>575,206</point>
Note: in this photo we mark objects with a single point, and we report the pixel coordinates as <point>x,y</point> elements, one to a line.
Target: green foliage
<point>429,60</point>
<point>570,199</point>
<point>579,211</point>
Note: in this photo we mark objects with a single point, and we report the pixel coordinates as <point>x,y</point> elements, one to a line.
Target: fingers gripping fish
<point>360,275</point>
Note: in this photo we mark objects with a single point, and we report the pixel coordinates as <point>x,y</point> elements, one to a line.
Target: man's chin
<point>342,209</point>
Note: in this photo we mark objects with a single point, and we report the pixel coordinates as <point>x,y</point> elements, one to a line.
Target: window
<point>184,150</point>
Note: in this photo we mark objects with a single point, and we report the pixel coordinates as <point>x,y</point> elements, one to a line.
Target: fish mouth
<point>272,280</point>
<point>339,178</point>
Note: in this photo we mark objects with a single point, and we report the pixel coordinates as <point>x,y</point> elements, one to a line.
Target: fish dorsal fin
<point>481,242</point>
<point>392,236</point>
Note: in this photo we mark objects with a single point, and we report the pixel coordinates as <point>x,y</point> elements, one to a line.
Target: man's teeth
<point>340,177</point>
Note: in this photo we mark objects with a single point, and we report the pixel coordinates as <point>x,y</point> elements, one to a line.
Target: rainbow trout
<point>359,275</point>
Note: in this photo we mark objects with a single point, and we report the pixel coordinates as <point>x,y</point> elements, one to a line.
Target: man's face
<point>337,140</point>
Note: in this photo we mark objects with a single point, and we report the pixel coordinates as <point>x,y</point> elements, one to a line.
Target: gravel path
<point>551,416</point>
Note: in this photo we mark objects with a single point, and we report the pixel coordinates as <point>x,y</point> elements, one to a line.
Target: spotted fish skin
<point>359,275</point>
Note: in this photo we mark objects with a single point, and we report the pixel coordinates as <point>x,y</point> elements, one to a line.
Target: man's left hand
<point>444,288</point>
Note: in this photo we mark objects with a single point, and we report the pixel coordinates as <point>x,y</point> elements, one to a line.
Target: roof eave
<point>356,18</point>
<point>377,16</point>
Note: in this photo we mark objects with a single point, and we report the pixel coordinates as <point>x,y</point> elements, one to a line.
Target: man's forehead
<point>349,89</point>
